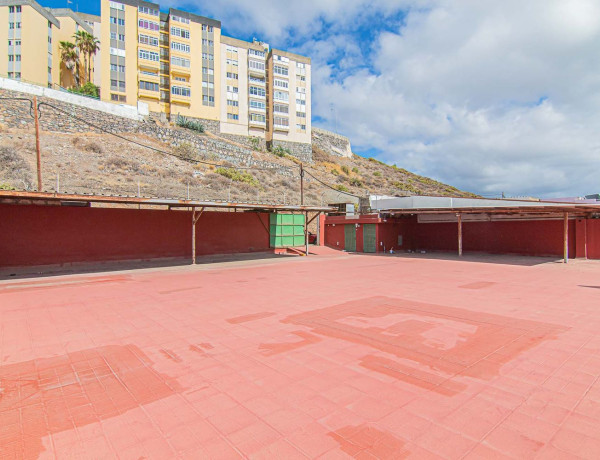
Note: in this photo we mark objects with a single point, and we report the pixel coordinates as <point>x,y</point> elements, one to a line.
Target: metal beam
<point>306,232</point>
<point>566,238</point>
<point>194,222</point>
<point>460,238</point>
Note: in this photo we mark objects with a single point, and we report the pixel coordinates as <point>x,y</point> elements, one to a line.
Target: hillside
<point>102,163</point>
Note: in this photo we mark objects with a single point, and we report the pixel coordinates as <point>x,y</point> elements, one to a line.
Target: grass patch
<point>238,176</point>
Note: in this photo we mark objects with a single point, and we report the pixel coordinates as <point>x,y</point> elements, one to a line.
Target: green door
<point>369,238</point>
<point>286,230</point>
<point>350,238</point>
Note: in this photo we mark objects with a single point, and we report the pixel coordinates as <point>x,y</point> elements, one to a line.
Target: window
<point>211,29</point>
<point>148,86</point>
<point>257,105</point>
<point>301,90</point>
<point>281,121</point>
<point>147,40</point>
<point>208,71</point>
<point>232,62</point>
<point>257,80</point>
<point>301,78</point>
<point>252,52</point>
<point>148,55</point>
<point>183,33</point>
<point>281,96</point>
<point>113,20</point>
<point>208,100</point>
<point>232,75</point>
<point>281,83</point>
<point>179,78</point>
<point>117,52</point>
<point>256,91</point>
<point>232,89</point>
<point>208,56</point>
<point>49,39</point>
<point>121,22</point>
<point>301,114</point>
<point>181,91</point>
<point>11,9</point>
<point>117,68</point>
<point>113,35</point>
<point>146,72</point>
<point>301,127</point>
<point>257,117</point>
<point>117,6</point>
<point>233,103</point>
<point>209,85</point>
<point>181,62</point>
<point>233,116</point>
<point>149,25</point>
<point>301,65</point>
<point>117,85</point>
<point>180,19</point>
<point>256,65</point>
<point>277,57</point>
<point>146,10</point>
<point>300,102</point>
<point>176,46</point>
<point>232,50</point>
<point>280,70</point>
<point>281,108</point>
<point>118,98</point>
<point>11,58</point>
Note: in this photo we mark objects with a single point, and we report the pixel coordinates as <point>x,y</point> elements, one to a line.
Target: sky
<point>489,96</point>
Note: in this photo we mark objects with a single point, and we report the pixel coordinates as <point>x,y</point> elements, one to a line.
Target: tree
<point>88,45</point>
<point>70,59</point>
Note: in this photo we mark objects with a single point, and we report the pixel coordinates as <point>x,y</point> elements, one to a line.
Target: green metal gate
<point>369,238</point>
<point>286,230</point>
<point>350,237</point>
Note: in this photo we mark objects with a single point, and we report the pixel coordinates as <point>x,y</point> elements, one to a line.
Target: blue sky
<point>487,96</point>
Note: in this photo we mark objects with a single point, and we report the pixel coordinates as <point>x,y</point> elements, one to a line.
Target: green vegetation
<point>335,172</point>
<point>355,170</point>
<point>255,143</point>
<point>345,169</point>
<point>377,174</point>
<point>89,89</point>
<point>280,152</point>
<point>194,125</point>
<point>356,182</point>
<point>238,176</point>
<point>342,188</point>
<point>6,187</point>
<point>373,160</point>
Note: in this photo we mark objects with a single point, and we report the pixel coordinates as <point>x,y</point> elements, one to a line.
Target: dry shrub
<point>93,147</point>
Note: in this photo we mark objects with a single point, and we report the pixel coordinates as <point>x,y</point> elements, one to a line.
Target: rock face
<point>331,142</point>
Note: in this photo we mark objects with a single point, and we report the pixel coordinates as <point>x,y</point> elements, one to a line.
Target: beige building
<point>27,48</point>
<point>175,62</point>
<point>70,24</point>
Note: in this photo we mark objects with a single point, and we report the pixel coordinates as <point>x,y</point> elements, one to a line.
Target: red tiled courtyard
<point>331,356</point>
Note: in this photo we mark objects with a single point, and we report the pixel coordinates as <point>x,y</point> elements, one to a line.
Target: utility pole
<point>37,144</point>
<point>301,184</point>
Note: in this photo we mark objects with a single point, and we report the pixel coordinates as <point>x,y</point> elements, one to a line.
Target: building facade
<point>27,47</point>
<point>177,63</point>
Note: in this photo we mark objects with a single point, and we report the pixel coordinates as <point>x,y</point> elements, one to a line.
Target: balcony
<point>258,72</point>
<point>281,128</point>
<point>179,99</point>
<point>178,70</point>
<point>148,94</point>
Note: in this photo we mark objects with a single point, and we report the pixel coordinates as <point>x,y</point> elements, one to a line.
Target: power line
<point>329,186</point>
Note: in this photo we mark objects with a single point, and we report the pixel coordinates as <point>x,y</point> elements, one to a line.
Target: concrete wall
<point>48,235</point>
<point>125,111</point>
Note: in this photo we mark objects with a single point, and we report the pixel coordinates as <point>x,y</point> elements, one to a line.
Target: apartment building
<point>175,62</point>
<point>70,24</point>
<point>289,97</point>
<point>27,47</point>
<point>169,61</point>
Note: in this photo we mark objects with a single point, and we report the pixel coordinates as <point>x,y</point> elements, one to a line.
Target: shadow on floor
<point>527,261</point>
<point>124,265</point>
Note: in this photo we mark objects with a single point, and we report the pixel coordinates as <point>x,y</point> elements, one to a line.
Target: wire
<point>20,99</point>
<point>329,186</point>
<point>188,159</point>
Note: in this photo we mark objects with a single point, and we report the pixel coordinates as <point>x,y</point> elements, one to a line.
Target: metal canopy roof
<point>22,197</point>
<point>540,210</point>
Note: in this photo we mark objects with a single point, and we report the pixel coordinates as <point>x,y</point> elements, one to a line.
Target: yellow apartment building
<point>175,62</point>
<point>27,47</point>
<point>70,24</point>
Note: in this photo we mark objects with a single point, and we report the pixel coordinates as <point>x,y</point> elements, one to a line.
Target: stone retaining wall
<point>301,151</point>
<point>331,142</point>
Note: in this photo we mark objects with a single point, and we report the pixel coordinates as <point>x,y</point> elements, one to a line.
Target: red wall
<point>334,236</point>
<point>388,234</point>
<point>43,235</point>
<point>593,238</point>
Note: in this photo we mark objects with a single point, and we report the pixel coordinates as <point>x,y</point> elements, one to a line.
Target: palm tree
<point>81,43</point>
<point>70,59</point>
<point>88,45</point>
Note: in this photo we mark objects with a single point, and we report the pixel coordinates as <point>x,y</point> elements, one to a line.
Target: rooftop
<point>487,357</point>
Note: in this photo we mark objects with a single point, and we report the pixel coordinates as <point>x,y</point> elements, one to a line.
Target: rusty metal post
<point>193,236</point>
<point>306,232</point>
<point>37,144</point>
<point>302,184</point>
<point>566,238</point>
<point>460,242</point>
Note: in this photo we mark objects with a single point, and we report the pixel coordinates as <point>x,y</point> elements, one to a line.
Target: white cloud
<point>485,95</point>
